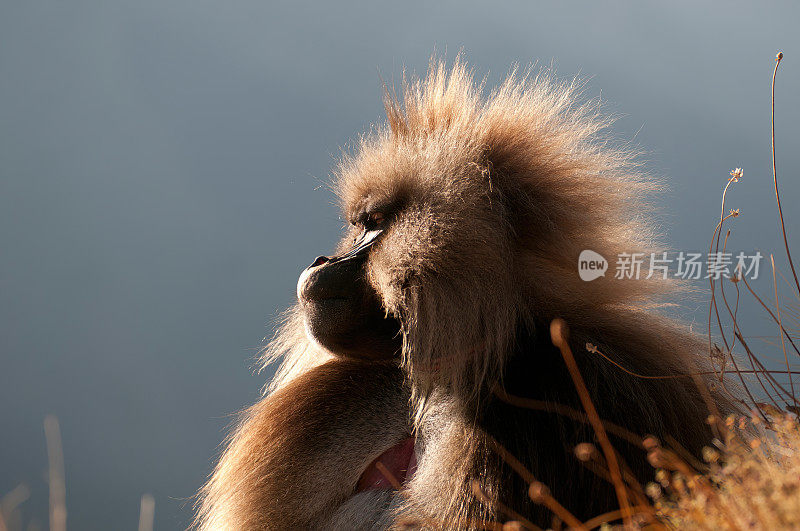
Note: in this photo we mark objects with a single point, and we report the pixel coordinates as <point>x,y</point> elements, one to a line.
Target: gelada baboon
<point>467,216</point>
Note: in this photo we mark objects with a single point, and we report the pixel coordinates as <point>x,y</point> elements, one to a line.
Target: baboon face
<point>341,310</point>
<point>437,226</point>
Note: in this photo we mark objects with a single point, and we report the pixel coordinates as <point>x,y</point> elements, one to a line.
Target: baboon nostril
<point>319,261</point>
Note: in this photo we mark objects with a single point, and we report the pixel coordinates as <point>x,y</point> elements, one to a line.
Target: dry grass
<point>752,480</point>
<point>10,514</point>
<point>751,477</point>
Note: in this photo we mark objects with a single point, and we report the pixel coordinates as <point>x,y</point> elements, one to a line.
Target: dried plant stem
<point>714,246</point>
<point>780,326</point>
<point>55,455</point>
<point>714,310</point>
<point>539,493</point>
<point>776,386</point>
<point>775,175</point>
<point>599,520</point>
<point>566,411</point>
<point>529,478</point>
<point>483,497</point>
<point>685,454</point>
<point>147,509</point>
<point>785,281</point>
<point>772,315</point>
<point>596,465</point>
<point>558,335</point>
<point>512,461</point>
<point>595,350</point>
<point>388,475</point>
<point>751,358</point>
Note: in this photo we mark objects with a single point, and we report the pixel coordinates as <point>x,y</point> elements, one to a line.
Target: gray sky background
<point>160,190</point>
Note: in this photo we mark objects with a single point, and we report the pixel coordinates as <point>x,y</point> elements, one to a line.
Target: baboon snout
<point>342,312</point>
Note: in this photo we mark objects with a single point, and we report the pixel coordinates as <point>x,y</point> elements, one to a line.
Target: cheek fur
<point>398,259</point>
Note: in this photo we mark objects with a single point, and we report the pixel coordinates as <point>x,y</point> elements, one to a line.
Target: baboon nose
<point>319,261</point>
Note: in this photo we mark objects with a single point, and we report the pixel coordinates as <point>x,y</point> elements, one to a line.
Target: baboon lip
<point>390,470</point>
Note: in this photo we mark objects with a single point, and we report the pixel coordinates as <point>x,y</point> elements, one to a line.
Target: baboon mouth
<point>390,470</point>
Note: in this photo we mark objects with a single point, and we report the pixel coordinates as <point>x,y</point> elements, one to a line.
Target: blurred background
<point>162,183</point>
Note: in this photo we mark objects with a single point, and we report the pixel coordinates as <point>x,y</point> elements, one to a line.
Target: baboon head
<point>466,216</point>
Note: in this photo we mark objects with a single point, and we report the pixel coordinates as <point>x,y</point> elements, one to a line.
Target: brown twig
<point>780,326</point>
<point>772,315</point>
<point>566,411</point>
<point>751,357</point>
<point>478,492</point>
<point>594,462</point>
<point>55,455</point>
<point>595,350</point>
<point>512,461</point>
<point>388,475</point>
<point>558,335</point>
<point>736,334</point>
<point>714,246</point>
<point>540,494</point>
<point>775,174</point>
<point>599,520</point>
<point>147,508</point>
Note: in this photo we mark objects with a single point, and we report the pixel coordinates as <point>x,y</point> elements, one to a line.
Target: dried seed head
<point>538,491</point>
<point>650,442</point>
<point>710,455</point>
<point>654,491</point>
<point>585,451</point>
<point>656,458</point>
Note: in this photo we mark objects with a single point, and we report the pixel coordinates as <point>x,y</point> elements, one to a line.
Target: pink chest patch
<point>391,469</point>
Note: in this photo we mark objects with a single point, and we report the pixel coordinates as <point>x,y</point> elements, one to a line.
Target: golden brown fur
<point>495,198</point>
<point>303,426</point>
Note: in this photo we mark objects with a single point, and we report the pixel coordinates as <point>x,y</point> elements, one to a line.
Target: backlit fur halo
<point>492,200</point>
<point>519,183</point>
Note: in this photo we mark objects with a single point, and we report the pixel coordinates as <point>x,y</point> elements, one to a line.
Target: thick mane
<point>570,183</point>
<point>538,156</point>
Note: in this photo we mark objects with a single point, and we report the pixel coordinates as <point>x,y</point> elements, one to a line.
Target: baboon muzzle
<point>337,277</point>
<point>341,309</point>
